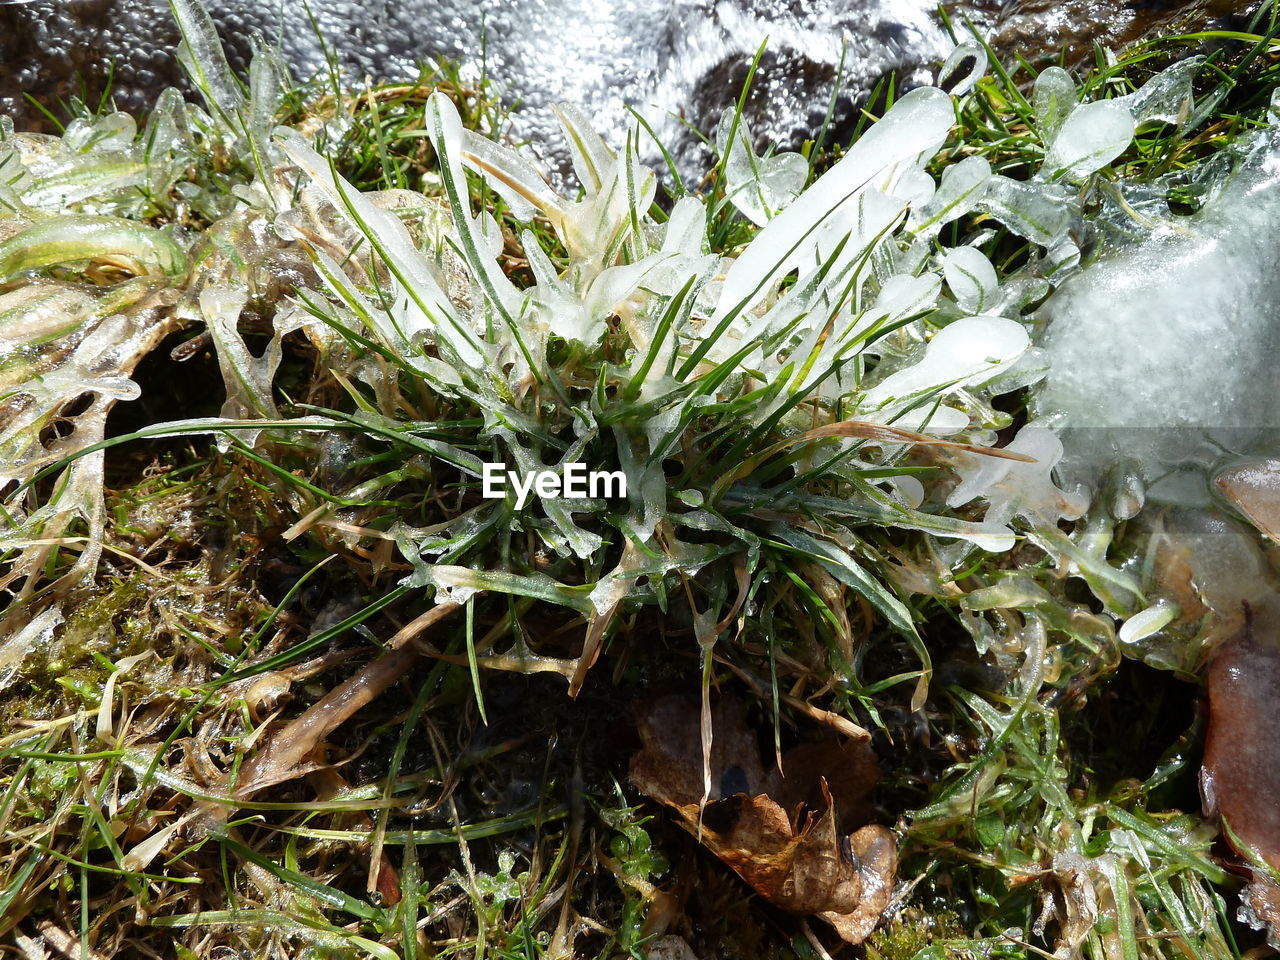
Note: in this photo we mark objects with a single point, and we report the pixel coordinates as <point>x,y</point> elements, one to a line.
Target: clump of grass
<point>732,353</point>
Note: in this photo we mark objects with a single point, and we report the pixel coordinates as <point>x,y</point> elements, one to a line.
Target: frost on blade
<point>88,294</point>
<point>1168,97</point>
<point>202,56</point>
<point>835,205</point>
<point>247,378</point>
<point>1090,138</point>
<point>686,229</point>
<point>512,177</point>
<point>607,222</point>
<point>592,158</point>
<point>1053,98</point>
<point>758,186</point>
<point>966,352</point>
<point>608,236</point>
<point>596,230</point>
<point>476,233</point>
<point>972,279</point>
<point>1039,212</point>
<point>56,347</point>
<point>35,635</point>
<point>100,165</point>
<point>86,239</point>
<point>905,296</point>
<point>1015,489</point>
<point>963,186</point>
<point>418,288</point>
<point>97,163</point>
<point>268,82</point>
<point>92,361</point>
<point>963,68</point>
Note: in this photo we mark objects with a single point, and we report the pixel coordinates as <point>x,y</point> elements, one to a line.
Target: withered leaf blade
<point>790,834</point>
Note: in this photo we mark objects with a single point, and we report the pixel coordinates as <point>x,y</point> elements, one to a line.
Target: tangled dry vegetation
<point>277,680</point>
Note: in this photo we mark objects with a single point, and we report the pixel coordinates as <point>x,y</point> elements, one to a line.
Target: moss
<point>916,934</point>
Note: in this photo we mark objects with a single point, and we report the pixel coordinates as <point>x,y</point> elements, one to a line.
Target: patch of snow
<point>1164,349</point>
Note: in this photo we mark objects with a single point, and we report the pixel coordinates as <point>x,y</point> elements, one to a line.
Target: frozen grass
<point>167,733</point>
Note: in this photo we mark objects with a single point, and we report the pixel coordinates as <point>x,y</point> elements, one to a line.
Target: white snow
<point>1164,351</point>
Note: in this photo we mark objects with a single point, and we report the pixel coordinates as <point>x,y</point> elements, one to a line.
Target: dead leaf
<point>1240,759</point>
<point>1241,744</point>
<point>1254,488</point>
<point>1261,908</point>
<point>789,833</point>
<point>287,753</point>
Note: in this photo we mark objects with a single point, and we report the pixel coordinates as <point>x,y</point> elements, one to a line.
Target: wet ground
<point>681,62</point>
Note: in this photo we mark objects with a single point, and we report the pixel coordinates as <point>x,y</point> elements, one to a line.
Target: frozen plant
<point>771,405</point>
<point>760,403</point>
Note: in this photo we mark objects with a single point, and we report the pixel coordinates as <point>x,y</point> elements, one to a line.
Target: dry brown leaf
<point>288,753</point>
<point>788,833</point>
<point>1261,902</point>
